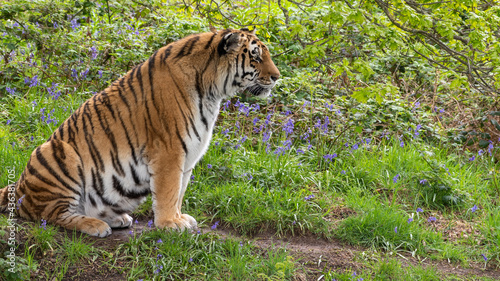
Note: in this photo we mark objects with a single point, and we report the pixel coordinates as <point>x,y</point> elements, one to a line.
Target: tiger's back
<point>141,135</point>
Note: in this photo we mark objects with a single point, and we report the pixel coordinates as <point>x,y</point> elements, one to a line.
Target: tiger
<point>141,136</point>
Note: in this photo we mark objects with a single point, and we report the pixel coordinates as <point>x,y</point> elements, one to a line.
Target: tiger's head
<point>252,68</point>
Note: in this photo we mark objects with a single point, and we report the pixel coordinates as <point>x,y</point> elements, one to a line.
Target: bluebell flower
<point>423,181</point>
<point>8,121</point>
<point>474,208</point>
<point>395,179</point>
<point>44,224</point>
<point>11,91</point>
<point>396,229</point>
<point>20,201</point>
<point>484,257</point>
<point>74,24</point>
<point>307,198</point>
<point>159,241</point>
<point>150,223</point>
<point>431,219</point>
<point>419,210</point>
<point>213,227</point>
<point>209,166</point>
<point>410,220</point>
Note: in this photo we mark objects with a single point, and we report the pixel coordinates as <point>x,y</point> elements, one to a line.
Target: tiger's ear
<point>246,29</point>
<point>229,43</point>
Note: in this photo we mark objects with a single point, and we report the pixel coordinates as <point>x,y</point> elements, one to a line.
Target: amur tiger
<point>141,135</point>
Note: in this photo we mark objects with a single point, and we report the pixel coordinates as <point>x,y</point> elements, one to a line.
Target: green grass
<point>176,256</point>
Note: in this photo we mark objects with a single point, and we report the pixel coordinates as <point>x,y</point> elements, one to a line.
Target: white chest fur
<point>196,147</point>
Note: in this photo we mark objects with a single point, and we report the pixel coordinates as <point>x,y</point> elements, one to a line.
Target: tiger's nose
<point>275,77</point>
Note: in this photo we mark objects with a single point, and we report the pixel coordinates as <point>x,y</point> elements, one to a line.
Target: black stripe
<point>35,173</point>
<point>151,65</point>
<point>194,128</point>
<point>166,54</point>
<point>60,156</point>
<point>117,185</point>
<point>104,99</point>
<point>137,181</point>
<point>183,117</point>
<point>210,41</point>
<point>129,141</point>
<point>44,163</point>
<point>96,157</point>
<point>129,83</point>
<point>180,139</point>
<point>188,47</point>
<point>105,127</point>
<point>25,210</point>
<point>200,99</point>
<point>116,164</point>
<point>92,201</point>
<point>61,131</point>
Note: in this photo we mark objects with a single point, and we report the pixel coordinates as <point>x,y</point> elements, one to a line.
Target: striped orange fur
<point>141,135</point>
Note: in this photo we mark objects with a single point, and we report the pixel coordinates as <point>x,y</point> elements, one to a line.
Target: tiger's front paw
<point>185,222</point>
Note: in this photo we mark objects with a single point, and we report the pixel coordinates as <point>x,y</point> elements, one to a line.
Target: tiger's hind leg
<point>85,224</point>
<point>119,221</point>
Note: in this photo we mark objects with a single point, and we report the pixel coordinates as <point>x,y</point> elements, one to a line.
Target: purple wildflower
<point>484,257</point>
<point>20,201</point>
<point>395,179</point>
<point>410,220</point>
<point>342,172</point>
<point>419,210</point>
<point>423,181</point>
<point>44,224</point>
<point>213,227</point>
<point>402,144</point>
<point>93,53</point>
<point>209,166</point>
<point>329,157</point>
<point>11,91</point>
<point>74,24</point>
<point>99,72</point>
<point>8,121</point>
<point>474,208</point>
<point>307,198</point>
<point>288,128</point>
<point>431,219</point>
<point>159,241</point>
<point>396,229</point>
<point>190,260</point>
<point>150,223</point>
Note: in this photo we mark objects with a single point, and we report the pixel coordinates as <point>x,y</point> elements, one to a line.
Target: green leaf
<point>495,123</point>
